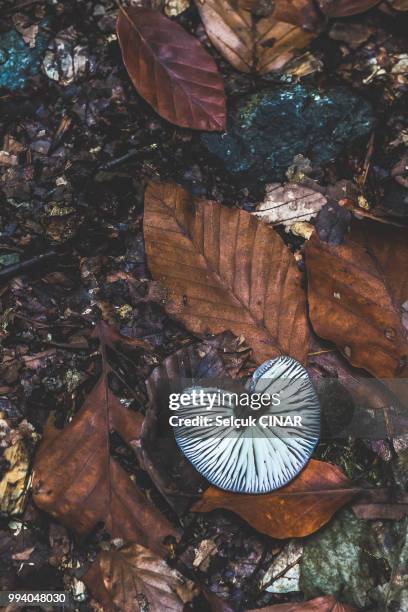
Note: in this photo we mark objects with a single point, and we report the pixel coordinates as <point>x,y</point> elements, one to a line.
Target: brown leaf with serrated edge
<point>225,270</point>
<point>219,357</point>
<point>79,483</point>
<point>294,511</point>
<point>345,8</point>
<point>133,579</point>
<point>171,70</point>
<point>259,45</point>
<point>358,298</point>
<point>320,604</point>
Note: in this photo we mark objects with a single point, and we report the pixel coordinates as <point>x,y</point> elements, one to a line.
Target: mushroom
<point>253,458</point>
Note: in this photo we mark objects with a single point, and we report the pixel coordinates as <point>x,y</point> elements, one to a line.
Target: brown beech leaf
<point>262,45</point>
<point>225,269</point>
<point>358,298</point>
<point>220,357</point>
<point>320,604</point>
<point>294,511</point>
<point>134,579</point>
<point>79,483</point>
<point>171,70</point>
<point>345,8</point>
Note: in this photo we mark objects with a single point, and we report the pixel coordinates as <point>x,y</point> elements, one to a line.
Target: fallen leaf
<point>172,8</point>
<point>225,269</point>
<point>282,576</point>
<point>345,8</point>
<point>258,45</point>
<point>358,293</point>
<point>178,481</point>
<point>171,70</point>
<point>320,604</point>
<point>400,5</point>
<point>134,579</point>
<point>289,203</point>
<point>297,12</point>
<point>303,229</point>
<point>15,479</point>
<point>380,504</point>
<point>294,511</point>
<point>77,481</point>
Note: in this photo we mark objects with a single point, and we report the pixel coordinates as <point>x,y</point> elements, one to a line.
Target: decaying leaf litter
<point>310,181</point>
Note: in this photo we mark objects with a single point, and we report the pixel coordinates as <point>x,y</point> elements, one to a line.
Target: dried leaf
<point>225,269</point>
<point>282,576</point>
<point>320,604</point>
<point>171,70</point>
<point>294,511</point>
<point>179,482</point>
<point>358,296</point>
<point>264,45</point>
<point>134,579</point>
<point>77,481</point>
<point>345,8</point>
<point>399,5</point>
<point>380,504</point>
<point>14,481</point>
<point>172,8</point>
<point>289,203</point>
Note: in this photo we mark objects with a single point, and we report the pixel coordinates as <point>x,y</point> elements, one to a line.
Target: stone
<point>266,131</point>
<point>348,559</point>
<point>19,60</point>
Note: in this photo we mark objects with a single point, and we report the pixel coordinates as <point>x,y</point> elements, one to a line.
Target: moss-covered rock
<point>266,130</point>
<point>350,559</point>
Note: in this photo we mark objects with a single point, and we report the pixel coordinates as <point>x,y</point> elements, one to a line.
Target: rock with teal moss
<point>266,130</point>
<point>350,559</point>
<point>19,61</point>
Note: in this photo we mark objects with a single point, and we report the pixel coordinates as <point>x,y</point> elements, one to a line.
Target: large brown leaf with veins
<point>134,579</point>
<point>79,483</point>
<point>294,511</point>
<point>260,45</point>
<point>171,70</point>
<point>358,298</point>
<point>225,269</point>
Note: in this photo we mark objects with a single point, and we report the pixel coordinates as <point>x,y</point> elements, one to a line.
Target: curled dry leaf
<point>288,204</point>
<point>78,482</point>
<point>225,269</point>
<point>134,579</point>
<point>294,511</point>
<point>345,8</point>
<point>320,604</point>
<point>171,70</point>
<point>358,298</point>
<point>219,357</point>
<point>259,45</point>
<point>15,477</point>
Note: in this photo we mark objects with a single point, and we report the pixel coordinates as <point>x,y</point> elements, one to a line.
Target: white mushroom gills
<point>255,459</point>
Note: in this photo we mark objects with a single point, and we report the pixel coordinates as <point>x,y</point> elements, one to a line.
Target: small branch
<point>9,272</point>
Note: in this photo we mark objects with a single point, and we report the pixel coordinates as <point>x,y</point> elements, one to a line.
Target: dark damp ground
<point>80,145</point>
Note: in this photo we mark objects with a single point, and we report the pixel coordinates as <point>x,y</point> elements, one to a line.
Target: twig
<point>119,160</point>
<point>9,272</point>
